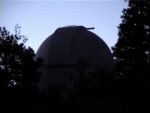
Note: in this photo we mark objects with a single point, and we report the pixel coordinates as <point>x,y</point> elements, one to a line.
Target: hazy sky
<point>40,18</point>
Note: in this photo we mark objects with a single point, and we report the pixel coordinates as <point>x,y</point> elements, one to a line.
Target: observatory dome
<point>67,49</point>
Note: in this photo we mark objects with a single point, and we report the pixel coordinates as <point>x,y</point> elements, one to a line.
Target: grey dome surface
<point>63,51</point>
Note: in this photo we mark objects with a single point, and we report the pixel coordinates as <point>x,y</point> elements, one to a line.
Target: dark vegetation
<point>18,73</point>
<point>131,54</point>
<point>126,90</point>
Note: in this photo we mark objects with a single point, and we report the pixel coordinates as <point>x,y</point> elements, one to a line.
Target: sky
<point>40,18</point>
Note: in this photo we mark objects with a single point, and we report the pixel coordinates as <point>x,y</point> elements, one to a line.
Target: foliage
<point>18,72</point>
<point>91,91</point>
<point>83,92</point>
<point>132,56</point>
<point>132,51</point>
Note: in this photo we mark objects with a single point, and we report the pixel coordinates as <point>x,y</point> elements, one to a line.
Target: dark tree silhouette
<point>92,91</point>
<point>132,55</point>
<point>18,73</point>
<point>86,92</point>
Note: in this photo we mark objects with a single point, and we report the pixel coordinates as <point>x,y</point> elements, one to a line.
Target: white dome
<point>65,48</point>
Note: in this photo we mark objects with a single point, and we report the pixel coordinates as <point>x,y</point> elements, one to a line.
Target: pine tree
<point>132,51</point>
<point>132,57</point>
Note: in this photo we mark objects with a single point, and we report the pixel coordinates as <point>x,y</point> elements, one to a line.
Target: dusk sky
<point>40,18</point>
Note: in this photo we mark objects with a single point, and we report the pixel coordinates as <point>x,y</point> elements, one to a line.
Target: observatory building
<point>68,50</point>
